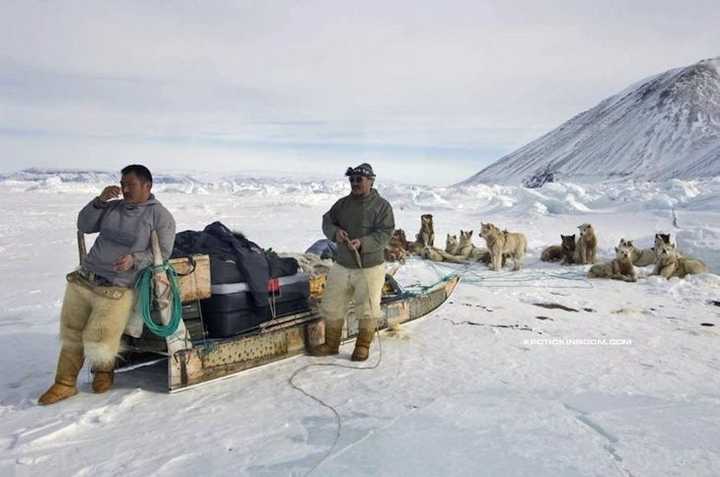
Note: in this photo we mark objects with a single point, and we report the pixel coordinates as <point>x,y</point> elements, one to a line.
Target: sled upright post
<point>82,249</point>
<point>180,340</point>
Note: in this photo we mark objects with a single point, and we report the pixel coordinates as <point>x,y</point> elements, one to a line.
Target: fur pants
<point>94,324</point>
<point>361,286</point>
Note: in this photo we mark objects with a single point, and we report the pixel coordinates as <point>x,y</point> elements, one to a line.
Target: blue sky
<point>429,92</point>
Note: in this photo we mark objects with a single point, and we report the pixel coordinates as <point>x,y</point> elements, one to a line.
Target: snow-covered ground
<point>625,381</point>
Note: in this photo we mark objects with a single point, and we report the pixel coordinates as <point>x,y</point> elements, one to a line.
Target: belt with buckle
<point>94,279</point>
<point>98,285</point>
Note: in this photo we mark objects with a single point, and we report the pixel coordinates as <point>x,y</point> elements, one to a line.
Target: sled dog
<point>671,264</point>
<point>564,253</point>
<point>425,237</point>
<point>621,268</point>
<point>641,257</point>
<point>398,247</point>
<point>452,244</point>
<point>440,255</point>
<point>501,242</point>
<point>467,249</point>
<point>661,239</point>
<point>586,246</point>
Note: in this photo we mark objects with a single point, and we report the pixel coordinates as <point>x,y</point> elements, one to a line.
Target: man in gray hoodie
<point>99,297</point>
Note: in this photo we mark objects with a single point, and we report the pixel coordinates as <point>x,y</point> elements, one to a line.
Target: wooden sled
<point>281,338</point>
<point>203,359</point>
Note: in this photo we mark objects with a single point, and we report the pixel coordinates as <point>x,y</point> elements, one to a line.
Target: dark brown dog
<point>426,237</point>
<point>568,249</point>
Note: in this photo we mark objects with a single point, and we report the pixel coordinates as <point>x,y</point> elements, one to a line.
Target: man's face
<point>134,189</point>
<point>360,185</point>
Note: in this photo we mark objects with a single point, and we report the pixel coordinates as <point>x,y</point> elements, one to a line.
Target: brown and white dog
<point>501,242</point>
<point>398,247</point>
<point>671,264</point>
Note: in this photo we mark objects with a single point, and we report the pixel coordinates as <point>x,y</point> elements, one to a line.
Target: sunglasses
<point>356,179</point>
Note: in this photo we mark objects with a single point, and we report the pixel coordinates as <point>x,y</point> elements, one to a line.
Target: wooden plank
<point>194,283</point>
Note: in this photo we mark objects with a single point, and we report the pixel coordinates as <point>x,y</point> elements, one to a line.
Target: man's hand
<point>355,244</point>
<point>124,263</point>
<point>341,236</point>
<point>109,193</point>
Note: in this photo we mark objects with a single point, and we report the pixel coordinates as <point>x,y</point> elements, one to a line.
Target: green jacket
<point>369,219</point>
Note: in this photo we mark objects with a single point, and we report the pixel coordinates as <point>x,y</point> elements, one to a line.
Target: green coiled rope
<point>144,286</point>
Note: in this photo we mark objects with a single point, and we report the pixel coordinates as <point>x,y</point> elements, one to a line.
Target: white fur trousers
<point>94,324</point>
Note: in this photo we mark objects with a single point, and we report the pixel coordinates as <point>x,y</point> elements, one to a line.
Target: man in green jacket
<point>361,224</point>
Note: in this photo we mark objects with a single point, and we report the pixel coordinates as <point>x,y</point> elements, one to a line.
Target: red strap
<point>273,285</point>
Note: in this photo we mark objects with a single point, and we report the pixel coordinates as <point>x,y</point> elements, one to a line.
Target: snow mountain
<point>664,127</point>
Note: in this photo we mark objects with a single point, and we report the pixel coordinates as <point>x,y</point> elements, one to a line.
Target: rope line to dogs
<point>325,404</point>
<point>490,279</point>
<point>320,401</point>
<point>469,274</point>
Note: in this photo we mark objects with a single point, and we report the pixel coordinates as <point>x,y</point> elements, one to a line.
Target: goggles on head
<point>359,171</point>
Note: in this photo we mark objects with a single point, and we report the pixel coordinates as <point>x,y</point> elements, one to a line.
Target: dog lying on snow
<point>671,264</point>
<point>439,255</point>
<point>564,253</point>
<point>639,257</point>
<point>586,246</point>
<point>621,268</point>
<point>645,256</point>
<point>500,243</point>
<point>452,244</point>
<point>458,251</point>
<point>466,249</point>
<point>399,247</point>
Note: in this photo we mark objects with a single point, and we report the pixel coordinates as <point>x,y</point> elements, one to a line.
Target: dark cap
<point>363,169</point>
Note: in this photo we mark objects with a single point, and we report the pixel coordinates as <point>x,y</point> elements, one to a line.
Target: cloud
<point>452,79</point>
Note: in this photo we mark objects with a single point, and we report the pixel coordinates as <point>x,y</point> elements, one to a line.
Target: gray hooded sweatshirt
<point>125,229</point>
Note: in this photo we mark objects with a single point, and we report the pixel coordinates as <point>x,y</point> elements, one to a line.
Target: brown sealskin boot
<point>365,335</point>
<point>333,334</point>
<point>69,364</point>
<point>103,379</point>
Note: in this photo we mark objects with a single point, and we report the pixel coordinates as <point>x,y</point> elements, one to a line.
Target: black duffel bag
<point>235,259</point>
